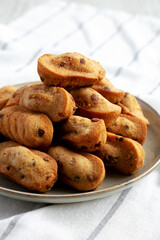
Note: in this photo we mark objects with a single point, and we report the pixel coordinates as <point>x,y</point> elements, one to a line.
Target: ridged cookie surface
<point>32,169</point>
<point>26,127</point>
<point>69,70</point>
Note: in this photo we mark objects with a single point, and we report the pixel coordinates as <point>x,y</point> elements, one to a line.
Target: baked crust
<point>84,134</point>
<point>30,168</point>
<point>130,106</point>
<point>130,127</point>
<point>82,171</point>
<point>92,104</point>
<point>123,155</point>
<point>69,70</point>
<point>107,90</point>
<point>28,128</point>
<point>55,102</point>
<point>5,94</point>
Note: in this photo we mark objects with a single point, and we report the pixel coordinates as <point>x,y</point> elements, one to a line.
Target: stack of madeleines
<point>72,127</point>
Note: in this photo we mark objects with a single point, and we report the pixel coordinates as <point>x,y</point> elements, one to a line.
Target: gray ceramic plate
<point>111,184</point>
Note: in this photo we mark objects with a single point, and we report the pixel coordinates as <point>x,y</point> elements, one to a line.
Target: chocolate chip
<point>90,178</point>
<point>62,64</point>
<point>116,101</point>
<point>34,163</point>
<point>22,176</point>
<point>126,127</point>
<point>95,119</point>
<point>8,168</point>
<point>47,177</point>
<point>117,138</point>
<point>111,160</point>
<point>46,159</point>
<point>42,79</point>
<point>82,60</point>
<point>76,178</point>
<point>48,187</point>
<point>106,88</point>
<point>1,115</point>
<point>94,97</point>
<point>83,148</point>
<point>41,132</point>
<point>61,114</point>
<point>98,144</point>
<point>121,139</point>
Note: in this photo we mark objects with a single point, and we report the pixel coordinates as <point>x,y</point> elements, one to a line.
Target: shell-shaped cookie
<point>5,94</point>
<point>124,155</point>
<point>130,106</point>
<point>107,90</point>
<point>92,104</point>
<point>82,171</point>
<point>55,102</point>
<point>130,127</point>
<point>82,133</point>
<point>69,70</point>
<point>32,169</point>
<point>26,127</point>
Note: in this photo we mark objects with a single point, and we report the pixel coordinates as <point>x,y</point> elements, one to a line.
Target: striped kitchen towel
<point>128,47</point>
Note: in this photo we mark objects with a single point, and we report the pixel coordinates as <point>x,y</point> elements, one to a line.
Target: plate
<point>111,184</point>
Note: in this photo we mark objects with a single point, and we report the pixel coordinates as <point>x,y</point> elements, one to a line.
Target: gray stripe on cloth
<point>135,57</point>
<point>109,215</point>
<point>4,46</point>
<point>118,30</point>
<point>15,220</point>
<point>154,88</point>
<point>31,60</point>
<point>80,25</point>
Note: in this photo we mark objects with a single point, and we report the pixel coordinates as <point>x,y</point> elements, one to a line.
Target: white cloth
<point>128,47</point>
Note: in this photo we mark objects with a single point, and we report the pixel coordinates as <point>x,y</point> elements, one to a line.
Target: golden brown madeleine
<point>92,104</point>
<point>130,106</point>
<point>69,70</point>
<point>5,94</point>
<point>82,171</point>
<point>130,127</point>
<point>82,133</point>
<point>32,169</point>
<point>26,127</point>
<point>124,155</point>
<point>107,90</point>
<point>14,100</point>
<point>55,102</point>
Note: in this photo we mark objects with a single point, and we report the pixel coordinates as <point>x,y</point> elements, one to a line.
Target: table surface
<point>10,10</point>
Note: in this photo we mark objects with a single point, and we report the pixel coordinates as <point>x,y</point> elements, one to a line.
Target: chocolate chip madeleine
<point>69,70</point>
<point>107,90</point>
<point>32,169</point>
<point>55,102</point>
<point>130,127</point>
<point>130,106</point>
<point>82,133</point>
<point>91,104</point>
<point>124,155</point>
<point>5,94</point>
<point>26,127</point>
<point>82,171</point>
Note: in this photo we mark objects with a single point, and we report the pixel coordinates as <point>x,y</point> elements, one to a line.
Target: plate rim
<point>82,196</point>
